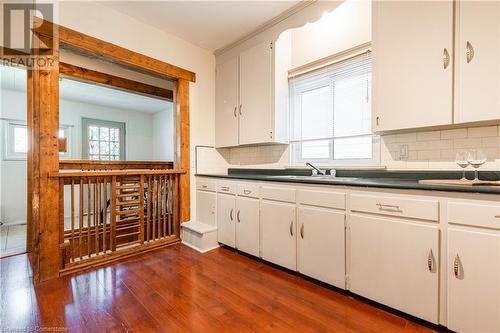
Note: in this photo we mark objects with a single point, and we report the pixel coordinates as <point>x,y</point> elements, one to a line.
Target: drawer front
<point>424,209</point>
<point>475,213</point>
<point>248,190</point>
<point>205,185</point>
<point>321,198</point>
<point>229,188</point>
<point>278,193</point>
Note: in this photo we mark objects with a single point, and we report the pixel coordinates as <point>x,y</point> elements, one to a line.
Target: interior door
<point>226,219</point>
<point>412,64</point>
<point>321,253</point>
<point>473,281</point>
<point>205,207</point>
<point>478,64</point>
<point>226,104</point>
<point>256,102</point>
<point>279,234</point>
<point>395,262</point>
<point>247,226</point>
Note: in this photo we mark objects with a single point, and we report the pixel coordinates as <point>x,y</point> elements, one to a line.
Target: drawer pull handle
<point>238,217</point>
<point>231,214</point>
<point>392,208</point>
<point>225,188</point>
<point>234,112</point>
<point>456,266</point>
<point>291,228</point>
<point>430,261</point>
<point>302,231</point>
<point>247,192</point>
<point>446,58</point>
<point>204,186</point>
<point>497,216</point>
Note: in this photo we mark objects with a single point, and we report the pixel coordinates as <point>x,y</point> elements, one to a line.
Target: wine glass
<point>461,158</point>
<point>476,158</point>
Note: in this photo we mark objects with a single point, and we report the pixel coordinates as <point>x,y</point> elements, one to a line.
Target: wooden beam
<point>182,101</point>
<point>88,75</point>
<point>44,92</point>
<point>113,165</point>
<point>29,197</point>
<point>111,52</point>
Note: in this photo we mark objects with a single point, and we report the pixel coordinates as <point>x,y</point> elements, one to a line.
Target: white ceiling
<point>208,24</point>
<point>15,79</point>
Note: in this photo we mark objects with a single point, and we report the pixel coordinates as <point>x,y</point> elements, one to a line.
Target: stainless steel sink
<point>318,177</point>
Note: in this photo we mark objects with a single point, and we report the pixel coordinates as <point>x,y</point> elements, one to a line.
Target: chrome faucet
<point>319,171</point>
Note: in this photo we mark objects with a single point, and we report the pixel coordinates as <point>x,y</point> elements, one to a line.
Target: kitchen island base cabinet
<point>395,262</point>
<point>473,281</point>
<point>321,253</point>
<point>247,226</point>
<point>279,234</point>
<point>226,217</point>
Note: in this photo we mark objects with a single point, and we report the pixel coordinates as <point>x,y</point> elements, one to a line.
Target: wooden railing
<point>106,215</point>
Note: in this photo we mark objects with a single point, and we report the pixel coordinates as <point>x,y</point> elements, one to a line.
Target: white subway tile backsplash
<point>437,149</point>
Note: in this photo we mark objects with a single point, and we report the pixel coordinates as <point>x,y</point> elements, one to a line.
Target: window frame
<point>8,134</point>
<point>87,122</point>
<point>296,144</point>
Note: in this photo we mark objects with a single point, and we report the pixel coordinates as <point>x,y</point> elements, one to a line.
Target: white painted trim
<point>281,17</point>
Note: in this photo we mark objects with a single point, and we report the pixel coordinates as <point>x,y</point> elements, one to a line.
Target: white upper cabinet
<point>413,64</point>
<point>251,104</point>
<point>478,61</point>
<point>226,104</point>
<point>255,94</point>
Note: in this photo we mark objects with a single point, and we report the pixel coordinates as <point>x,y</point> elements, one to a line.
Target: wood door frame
<point>44,204</point>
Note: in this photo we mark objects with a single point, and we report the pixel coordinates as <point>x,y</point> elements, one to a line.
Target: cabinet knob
<point>456,266</point>
<point>469,52</point>
<point>430,261</point>
<point>446,58</point>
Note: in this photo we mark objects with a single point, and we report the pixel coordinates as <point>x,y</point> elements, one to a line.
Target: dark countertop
<point>365,178</point>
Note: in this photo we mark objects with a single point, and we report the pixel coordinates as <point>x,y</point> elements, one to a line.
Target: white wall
<point>163,133</point>
<point>102,22</point>
<point>346,26</point>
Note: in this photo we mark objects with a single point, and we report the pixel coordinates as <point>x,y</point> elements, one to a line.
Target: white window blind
<point>331,114</point>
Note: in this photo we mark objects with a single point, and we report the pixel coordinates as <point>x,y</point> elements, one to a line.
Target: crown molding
<point>263,27</point>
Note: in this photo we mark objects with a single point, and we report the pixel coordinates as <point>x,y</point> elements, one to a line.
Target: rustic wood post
<point>182,100</point>
<point>44,157</point>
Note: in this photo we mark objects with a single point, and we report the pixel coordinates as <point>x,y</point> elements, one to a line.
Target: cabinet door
<point>226,104</point>
<point>478,65</point>
<point>247,226</point>
<point>205,207</point>
<point>279,234</point>
<point>226,217</point>
<point>394,262</point>
<point>473,281</point>
<point>411,86</point>
<point>256,94</point>
<point>321,253</point>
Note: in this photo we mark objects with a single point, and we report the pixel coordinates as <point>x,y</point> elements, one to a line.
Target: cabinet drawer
<point>278,193</point>
<point>321,198</point>
<point>424,209</point>
<point>205,185</point>
<point>248,190</point>
<point>228,188</point>
<point>475,213</point>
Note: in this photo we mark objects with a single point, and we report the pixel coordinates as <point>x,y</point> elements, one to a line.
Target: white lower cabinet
<point>247,225</point>
<point>279,233</point>
<point>226,217</point>
<point>473,281</point>
<point>395,262</point>
<point>205,207</point>
<point>321,245</point>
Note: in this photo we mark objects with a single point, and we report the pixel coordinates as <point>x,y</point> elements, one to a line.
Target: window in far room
<point>103,140</point>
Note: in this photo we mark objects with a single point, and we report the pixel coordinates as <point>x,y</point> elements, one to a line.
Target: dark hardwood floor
<point>179,290</point>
